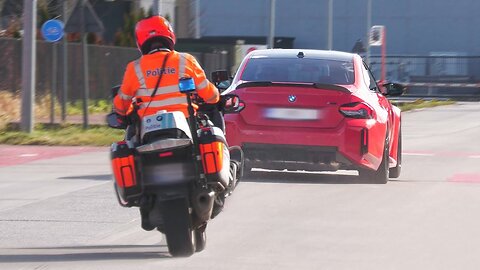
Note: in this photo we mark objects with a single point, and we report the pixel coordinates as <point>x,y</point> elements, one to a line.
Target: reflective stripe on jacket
<point>142,74</point>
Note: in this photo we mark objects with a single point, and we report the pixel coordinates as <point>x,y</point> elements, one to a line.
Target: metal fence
<point>449,76</point>
<point>106,67</point>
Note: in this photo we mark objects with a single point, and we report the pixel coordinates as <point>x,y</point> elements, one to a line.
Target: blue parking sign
<point>52,30</point>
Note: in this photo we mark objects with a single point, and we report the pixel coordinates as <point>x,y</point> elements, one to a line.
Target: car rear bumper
<point>348,146</point>
<point>294,157</point>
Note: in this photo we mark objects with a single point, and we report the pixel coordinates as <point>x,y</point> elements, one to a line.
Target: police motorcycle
<point>178,171</point>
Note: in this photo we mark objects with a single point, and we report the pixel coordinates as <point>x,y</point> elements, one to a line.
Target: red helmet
<point>154,27</point>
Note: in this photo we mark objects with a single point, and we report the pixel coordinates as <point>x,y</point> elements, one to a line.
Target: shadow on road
<point>86,253</point>
<point>99,177</point>
<point>302,178</point>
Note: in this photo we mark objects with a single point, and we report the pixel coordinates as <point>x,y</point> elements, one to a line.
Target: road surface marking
<point>465,178</point>
<point>419,154</point>
<point>28,155</point>
<point>16,155</point>
<point>442,154</point>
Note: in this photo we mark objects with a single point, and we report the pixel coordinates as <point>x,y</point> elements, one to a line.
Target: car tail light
<point>357,110</point>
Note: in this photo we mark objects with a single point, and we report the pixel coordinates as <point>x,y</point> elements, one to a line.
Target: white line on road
<point>436,154</point>
<point>419,154</point>
<point>28,155</point>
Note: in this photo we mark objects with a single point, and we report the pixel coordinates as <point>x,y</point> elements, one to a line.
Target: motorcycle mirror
<point>221,80</point>
<point>186,85</point>
<point>219,76</point>
<point>114,91</point>
<point>114,120</point>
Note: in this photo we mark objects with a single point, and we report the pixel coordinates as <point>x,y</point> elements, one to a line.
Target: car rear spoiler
<point>291,84</point>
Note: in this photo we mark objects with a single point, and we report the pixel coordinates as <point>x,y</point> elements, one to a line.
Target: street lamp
<point>330,25</point>
<point>271,34</point>
<point>28,65</point>
<point>197,19</point>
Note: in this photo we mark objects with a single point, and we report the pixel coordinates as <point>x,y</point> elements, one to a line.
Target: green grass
<point>99,135</point>
<point>420,104</point>
<point>94,106</point>
<point>68,134</point>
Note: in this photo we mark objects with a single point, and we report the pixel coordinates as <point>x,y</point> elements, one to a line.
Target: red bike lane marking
<point>465,178</point>
<point>14,155</point>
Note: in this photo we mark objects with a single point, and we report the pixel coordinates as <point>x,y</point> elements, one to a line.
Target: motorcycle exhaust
<point>203,204</point>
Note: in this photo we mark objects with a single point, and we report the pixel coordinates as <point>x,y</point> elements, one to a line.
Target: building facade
<point>413,27</point>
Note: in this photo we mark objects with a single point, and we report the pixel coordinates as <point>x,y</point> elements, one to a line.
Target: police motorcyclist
<point>160,67</point>
<point>155,40</point>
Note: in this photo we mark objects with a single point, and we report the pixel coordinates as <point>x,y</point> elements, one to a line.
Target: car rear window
<point>299,70</point>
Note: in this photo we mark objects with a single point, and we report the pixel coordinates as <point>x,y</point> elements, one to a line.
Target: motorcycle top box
<point>166,152</point>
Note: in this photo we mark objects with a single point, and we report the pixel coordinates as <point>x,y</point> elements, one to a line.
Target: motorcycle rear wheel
<point>178,228</point>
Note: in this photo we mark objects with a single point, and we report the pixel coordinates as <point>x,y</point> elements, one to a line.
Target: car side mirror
<point>221,79</point>
<point>232,104</point>
<point>114,120</point>
<point>393,89</point>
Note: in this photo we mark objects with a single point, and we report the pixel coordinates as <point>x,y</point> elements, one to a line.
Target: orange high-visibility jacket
<point>142,74</point>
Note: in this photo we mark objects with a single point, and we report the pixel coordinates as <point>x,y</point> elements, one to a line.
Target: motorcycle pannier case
<point>215,155</point>
<point>124,171</point>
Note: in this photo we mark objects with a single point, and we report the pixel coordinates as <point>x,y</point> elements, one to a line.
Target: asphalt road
<point>61,213</point>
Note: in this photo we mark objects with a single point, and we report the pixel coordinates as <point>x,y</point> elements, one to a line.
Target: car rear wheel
<point>379,176</point>
<point>395,171</point>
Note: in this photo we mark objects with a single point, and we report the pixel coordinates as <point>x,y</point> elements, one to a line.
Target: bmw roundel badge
<point>292,98</point>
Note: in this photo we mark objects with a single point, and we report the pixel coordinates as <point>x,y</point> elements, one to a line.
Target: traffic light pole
<point>384,55</point>
<point>28,65</point>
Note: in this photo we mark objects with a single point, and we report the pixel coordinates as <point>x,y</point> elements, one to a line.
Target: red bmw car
<point>315,110</point>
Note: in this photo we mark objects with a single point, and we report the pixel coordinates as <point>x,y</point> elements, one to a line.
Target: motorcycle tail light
<point>358,110</point>
<point>165,154</point>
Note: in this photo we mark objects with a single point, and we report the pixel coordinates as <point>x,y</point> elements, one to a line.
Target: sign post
<point>84,20</point>
<point>64,67</point>
<point>52,31</point>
